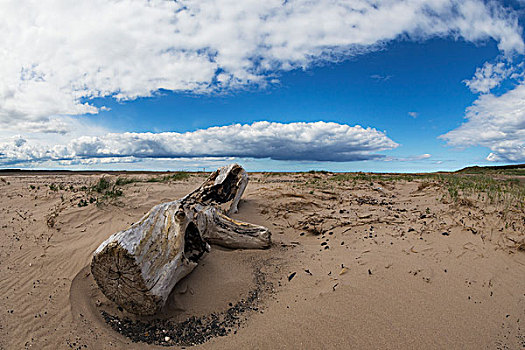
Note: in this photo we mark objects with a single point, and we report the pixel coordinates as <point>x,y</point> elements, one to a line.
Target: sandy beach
<point>357,262</point>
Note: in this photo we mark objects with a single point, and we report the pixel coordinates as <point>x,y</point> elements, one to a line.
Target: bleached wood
<point>224,231</point>
<point>137,268</point>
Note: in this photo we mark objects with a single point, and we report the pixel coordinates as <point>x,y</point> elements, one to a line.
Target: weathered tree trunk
<point>137,268</point>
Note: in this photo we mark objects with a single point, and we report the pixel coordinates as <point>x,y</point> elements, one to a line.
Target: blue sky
<point>432,93</point>
<point>378,90</point>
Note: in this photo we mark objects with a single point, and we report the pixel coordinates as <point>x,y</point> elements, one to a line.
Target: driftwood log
<point>137,268</point>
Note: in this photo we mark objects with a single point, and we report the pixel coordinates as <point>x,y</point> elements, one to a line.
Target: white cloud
<point>317,141</point>
<point>409,158</point>
<point>56,55</point>
<point>413,114</point>
<point>19,141</point>
<point>381,78</point>
<point>96,161</point>
<point>496,122</point>
<point>490,76</point>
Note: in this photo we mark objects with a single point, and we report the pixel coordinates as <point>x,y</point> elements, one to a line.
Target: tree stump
<point>137,268</point>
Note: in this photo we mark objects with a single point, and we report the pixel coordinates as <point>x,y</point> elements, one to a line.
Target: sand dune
<point>390,264</point>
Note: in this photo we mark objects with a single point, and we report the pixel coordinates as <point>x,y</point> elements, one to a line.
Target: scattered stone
<point>194,330</point>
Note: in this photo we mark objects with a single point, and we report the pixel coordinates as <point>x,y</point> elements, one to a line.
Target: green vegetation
<point>179,175</point>
<point>273,174</point>
<point>84,202</point>
<point>114,192</point>
<point>106,188</point>
<point>111,190</point>
<point>355,177</point>
<point>318,172</point>
<point>53,187</point>
<point>121,181</point>
<point>510,170</point>
<point>509,191</point>
<point>484,184</point>
<point>101,185</point>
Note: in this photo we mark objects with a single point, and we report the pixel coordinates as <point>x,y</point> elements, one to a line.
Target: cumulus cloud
<point>496,122</point>
<point>96,161</point>
<point>19,141</point>
<point>57,55</point>
<point>318,141</point>
<point>413,114</point>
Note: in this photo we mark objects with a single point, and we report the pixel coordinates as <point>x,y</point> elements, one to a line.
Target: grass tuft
<point>106,188</point>
<point>511,192</point>
<point>121,181</point>
<point>177,176</point>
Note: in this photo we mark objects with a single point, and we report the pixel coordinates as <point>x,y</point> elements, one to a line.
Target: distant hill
<point>515,169</point>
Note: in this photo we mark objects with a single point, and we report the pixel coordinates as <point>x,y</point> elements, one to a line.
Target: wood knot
<point>180,215</point>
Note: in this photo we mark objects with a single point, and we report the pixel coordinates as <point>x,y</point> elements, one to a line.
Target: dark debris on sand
<point>194,330</point>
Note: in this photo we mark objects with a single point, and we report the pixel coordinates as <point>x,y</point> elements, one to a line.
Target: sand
<point>354,265</point>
